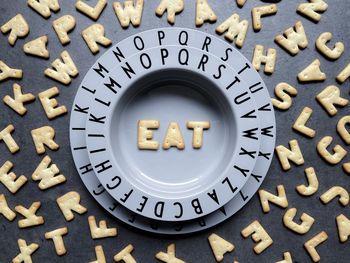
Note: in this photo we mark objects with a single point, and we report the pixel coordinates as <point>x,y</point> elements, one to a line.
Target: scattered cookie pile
<point>63,70</point>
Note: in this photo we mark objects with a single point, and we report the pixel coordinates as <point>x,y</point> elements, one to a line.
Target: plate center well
<point>179,96</point>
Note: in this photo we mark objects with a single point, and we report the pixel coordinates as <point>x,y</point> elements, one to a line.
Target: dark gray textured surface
<point>192,248</point>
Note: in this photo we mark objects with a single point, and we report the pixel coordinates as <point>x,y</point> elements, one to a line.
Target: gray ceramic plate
<point>232,56</point>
